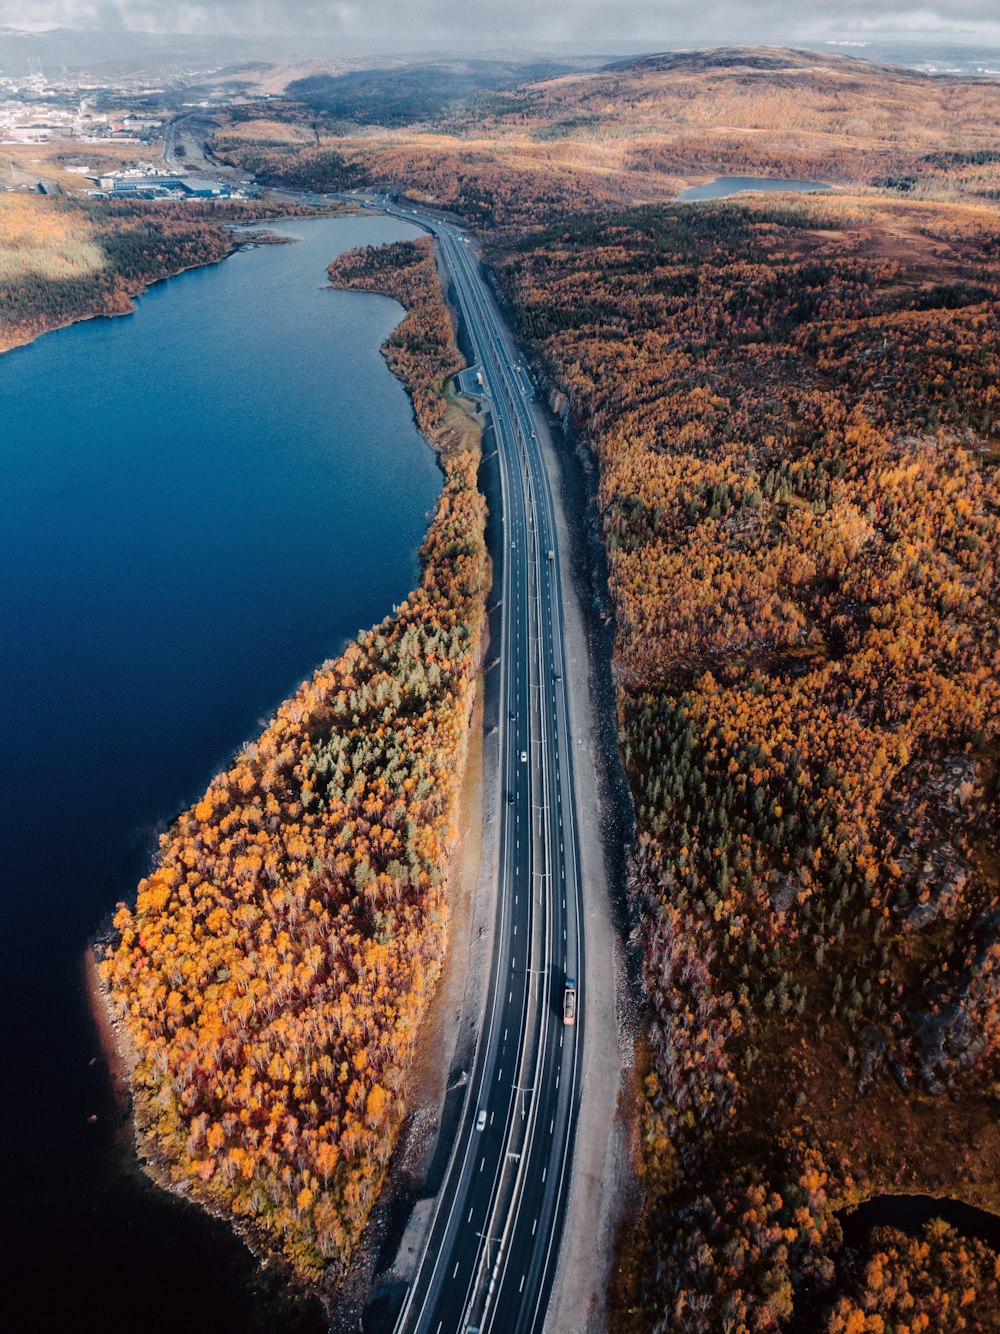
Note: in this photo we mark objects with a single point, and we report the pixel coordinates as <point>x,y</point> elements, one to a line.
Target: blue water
<point>200,502</point>
<point>724,186</point>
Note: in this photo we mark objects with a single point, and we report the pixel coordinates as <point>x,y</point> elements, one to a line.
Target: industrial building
<point>162,187</point>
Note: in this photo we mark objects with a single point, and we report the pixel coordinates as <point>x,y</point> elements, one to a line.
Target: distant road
<point>189,132</point>
<point>493,1244</point>
<point>169,140</point>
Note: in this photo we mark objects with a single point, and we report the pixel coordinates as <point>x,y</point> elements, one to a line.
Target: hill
<point>639,130</point>
<point>412,93</point>
<point>763,58</point>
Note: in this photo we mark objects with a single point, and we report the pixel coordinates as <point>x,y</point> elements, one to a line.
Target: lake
<point>201,502</point>
<point>724,186</point>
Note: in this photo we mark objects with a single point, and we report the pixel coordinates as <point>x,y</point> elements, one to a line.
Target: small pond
<point>724,186</point>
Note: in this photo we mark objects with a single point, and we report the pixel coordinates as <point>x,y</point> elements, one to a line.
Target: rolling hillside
<point>637,131</point>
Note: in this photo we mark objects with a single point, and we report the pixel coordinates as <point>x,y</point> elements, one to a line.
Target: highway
<point>493,1243</point>
<point>169,138</point>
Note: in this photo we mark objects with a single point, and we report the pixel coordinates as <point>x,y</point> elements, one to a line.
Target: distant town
<point>114,140</point>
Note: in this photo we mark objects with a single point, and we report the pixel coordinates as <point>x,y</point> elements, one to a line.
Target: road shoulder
<point>601,1173</point>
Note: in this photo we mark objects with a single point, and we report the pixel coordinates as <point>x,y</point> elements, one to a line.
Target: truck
<point>569,1001</point>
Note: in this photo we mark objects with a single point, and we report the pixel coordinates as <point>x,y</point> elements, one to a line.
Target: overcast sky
<point>517,22</point>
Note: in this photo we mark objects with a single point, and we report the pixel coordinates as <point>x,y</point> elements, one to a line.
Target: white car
<point>524,757</point>
<point>481,1119</point>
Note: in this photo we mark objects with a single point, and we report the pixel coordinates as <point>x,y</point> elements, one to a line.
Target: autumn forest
<point>791,405</point>
<point>794,410</point>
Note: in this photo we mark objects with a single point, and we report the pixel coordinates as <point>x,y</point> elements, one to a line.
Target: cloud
<point>522,22</point>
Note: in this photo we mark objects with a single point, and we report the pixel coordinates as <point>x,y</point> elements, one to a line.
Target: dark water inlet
<point>909,1213</point>
<point>199,503</point>
<point>724,186</point>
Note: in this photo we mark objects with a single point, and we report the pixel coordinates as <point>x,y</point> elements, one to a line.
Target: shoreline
<point>238,244</point>
<point>113,1044</point>
<point>117,314</point>
<point>123,1059</point>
